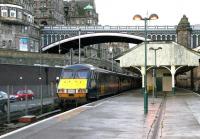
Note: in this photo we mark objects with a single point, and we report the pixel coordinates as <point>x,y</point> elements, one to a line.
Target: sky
<point>121,12</point>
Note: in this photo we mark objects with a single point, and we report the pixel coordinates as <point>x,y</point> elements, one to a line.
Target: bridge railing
<point>127,28</point>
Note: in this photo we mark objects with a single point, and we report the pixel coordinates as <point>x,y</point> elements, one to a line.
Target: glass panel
<point>67,74</point>
<point>82,74</point>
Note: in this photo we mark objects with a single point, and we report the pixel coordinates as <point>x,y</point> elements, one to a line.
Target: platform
<point>121,117</point>
<point>181,118</point>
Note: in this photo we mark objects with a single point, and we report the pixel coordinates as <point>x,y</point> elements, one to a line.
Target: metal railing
<point>110,28</point>
<point>36,102</point>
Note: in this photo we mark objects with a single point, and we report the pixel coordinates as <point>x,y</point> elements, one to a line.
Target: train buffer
<point>122,117</point>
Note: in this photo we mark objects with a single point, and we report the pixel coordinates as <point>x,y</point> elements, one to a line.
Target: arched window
<point>168,37</point>
<point>154,37</point>
<point>49,39</point>
<point>62,37</point>
<point>194,37</point>
<point>58,38</point>
<point>198,40</point>
<point>149,36</point>
<point>45,40</point>
<point>53,38</point>
<point>158,37</point>
<point>173,38</point>
<point>163,38</point>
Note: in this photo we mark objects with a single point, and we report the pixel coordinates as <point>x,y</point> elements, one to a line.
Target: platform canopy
<point>170,54</point>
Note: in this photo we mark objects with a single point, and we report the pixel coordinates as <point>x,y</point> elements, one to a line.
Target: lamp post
<point>111,51</point>
<point>79,46</point>
<point>151,17</point>
<point>154,70</point>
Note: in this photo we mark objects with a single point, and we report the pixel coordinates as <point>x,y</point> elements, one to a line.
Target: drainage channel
<point>154,131</point>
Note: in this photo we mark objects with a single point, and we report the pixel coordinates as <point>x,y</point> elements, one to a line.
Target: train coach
<point>84,81</point>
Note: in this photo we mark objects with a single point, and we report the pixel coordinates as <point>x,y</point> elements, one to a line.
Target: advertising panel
<point>23,44</point>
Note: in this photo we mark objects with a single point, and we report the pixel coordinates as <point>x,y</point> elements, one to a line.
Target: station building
<point>172,59</point>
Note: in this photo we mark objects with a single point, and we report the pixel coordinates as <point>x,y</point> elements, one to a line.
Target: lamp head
<point>153,17</point>
<point>151,48</point>
<point>159,48</point>
<point>137,17</point>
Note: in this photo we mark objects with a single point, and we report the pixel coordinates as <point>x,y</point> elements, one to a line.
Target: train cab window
<point>82,74</point>
<point>67,74</point>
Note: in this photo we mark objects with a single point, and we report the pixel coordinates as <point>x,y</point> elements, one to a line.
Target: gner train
<point>84,81</point>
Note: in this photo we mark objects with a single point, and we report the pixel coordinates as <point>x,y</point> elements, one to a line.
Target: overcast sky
<point>120,12</point>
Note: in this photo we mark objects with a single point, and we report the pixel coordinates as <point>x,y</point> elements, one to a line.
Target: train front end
<point>73,84</point>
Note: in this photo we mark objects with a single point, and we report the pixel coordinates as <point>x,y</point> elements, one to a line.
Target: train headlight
<point>62,91</point>
<point>81,90</point>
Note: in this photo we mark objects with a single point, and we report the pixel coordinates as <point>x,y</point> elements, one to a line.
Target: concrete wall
<point>10,75</point>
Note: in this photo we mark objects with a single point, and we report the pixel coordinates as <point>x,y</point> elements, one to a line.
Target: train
<point>87,82</point>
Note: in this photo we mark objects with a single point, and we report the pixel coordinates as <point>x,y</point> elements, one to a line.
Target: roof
<point>170,54</point>
<point>88,7</point>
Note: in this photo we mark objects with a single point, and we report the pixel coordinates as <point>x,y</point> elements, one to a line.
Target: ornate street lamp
<point>151,17</point>
<point>154,70</point>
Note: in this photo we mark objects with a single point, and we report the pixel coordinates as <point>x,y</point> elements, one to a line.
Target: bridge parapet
<point>107,28</point>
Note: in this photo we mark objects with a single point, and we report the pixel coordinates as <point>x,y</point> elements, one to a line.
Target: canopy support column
<point>173,71</point>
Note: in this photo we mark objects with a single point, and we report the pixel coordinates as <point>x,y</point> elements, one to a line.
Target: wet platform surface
<point>181,118</point>
<point>121,117</point>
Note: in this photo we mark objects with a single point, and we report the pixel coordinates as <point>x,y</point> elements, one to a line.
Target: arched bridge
<point>52,34</point>
<point>64,45</point>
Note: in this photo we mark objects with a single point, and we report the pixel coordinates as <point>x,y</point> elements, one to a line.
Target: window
<point>3,43</point>
<point>82,74</point>
<point>158,38</point>
<point>19,14</point>
<point>32,46</point>
<point>163,37</point>
<point>10,43</point>
<point>168,37</point>
<point>4,12</point>
<point>173,38</point>
<point>13,13</point>
<point>154,37</point>
<point>194,41</point>
<point>67,74</point>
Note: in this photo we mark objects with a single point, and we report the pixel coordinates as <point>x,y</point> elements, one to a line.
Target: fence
<point>25,100</point>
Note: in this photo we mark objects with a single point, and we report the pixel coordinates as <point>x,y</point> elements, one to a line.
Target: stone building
<point>49,12</point>
<point>80,12</point>
<point>17,28</point>
<point>184,31</point>
<point>83,13</point>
